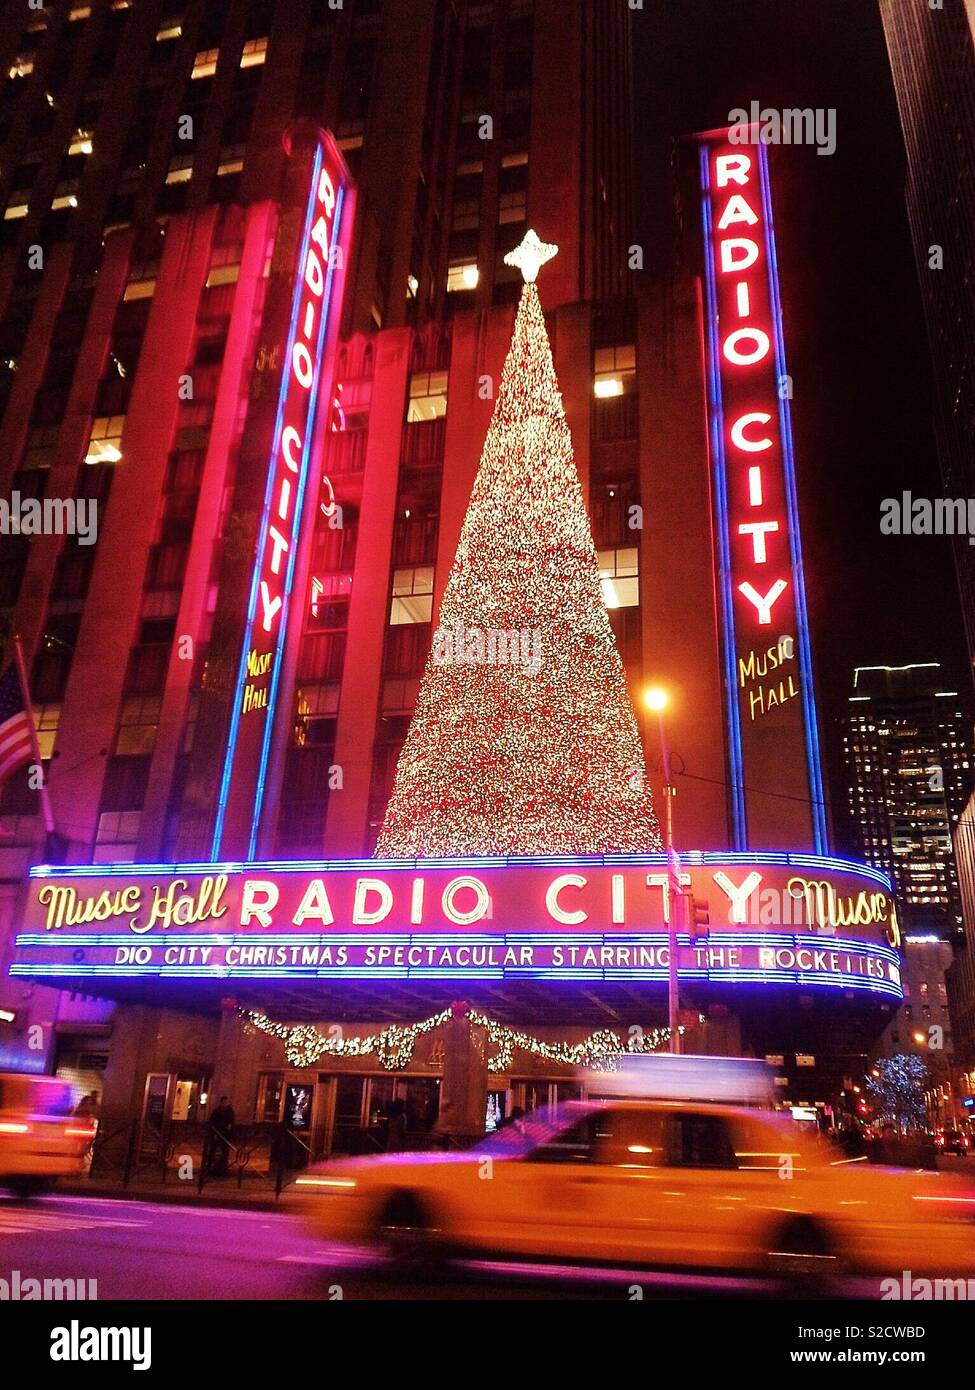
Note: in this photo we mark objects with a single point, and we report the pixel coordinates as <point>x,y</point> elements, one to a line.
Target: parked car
<point>40,1138</point>
<point>952,1141</point>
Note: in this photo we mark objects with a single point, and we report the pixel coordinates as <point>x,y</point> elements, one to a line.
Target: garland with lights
<point>523,740</point>
<point>394,1046</point>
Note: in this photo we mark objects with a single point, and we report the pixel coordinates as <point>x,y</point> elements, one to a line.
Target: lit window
<point>412,596</point>
<point>514,161</point>
<point>619,572</point>
<point>615,371</point>
<point>79,12</point>
<point>222,275</point>
<point>142,283</point>
<point>169,31</point>
<point>80,142</point>
<point>205,63</point>
<point>428,397</point>
<point>462,275</point>
<point>255,51</point>
<point>63,200</point>
<point>118,831</point>
<point>230,166</point>
<point>46,719</point>
<point>470,166</point>
<point>105,444</point>
<point>21,67</point>
<point>180,169</point>
<point>412,285</point>
<point>15,209</point>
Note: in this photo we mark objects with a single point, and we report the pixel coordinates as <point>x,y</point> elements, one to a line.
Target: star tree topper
<point>531,255</point>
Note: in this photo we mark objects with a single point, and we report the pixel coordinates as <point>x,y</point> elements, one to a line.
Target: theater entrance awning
<point>560,939</point>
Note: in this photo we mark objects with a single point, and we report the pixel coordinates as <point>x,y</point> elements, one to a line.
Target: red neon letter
<point>739,438</point>
<point>745,359</point>
<point>763,605</point>
<point>728,248</point>
<point>731,168</point>
<point>758,530</point>
<point>736,210</point>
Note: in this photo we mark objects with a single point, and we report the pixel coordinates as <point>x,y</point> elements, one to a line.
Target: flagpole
<point>46,811</point>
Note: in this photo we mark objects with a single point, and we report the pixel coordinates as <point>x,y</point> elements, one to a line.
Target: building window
<point>105,443</point>
<point>412,596</point>
<point>80,142</point>
<point>138,724</point>
<point>205,63</point>
<point>222,275</point>
<point>169,30</point>
<point>255,52</point>
<point>619,572</point>
<point>116,838</point>
<point>615,371</point>
<point>462,275</point>
<point>180,169</point>
<point>428,397</point>
<point>46,718</point>
<point>17,207</point>
<point>21,67</point>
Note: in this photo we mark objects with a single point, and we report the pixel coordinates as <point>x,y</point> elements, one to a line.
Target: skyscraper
<point>907,749</point>
<point>932,58</point>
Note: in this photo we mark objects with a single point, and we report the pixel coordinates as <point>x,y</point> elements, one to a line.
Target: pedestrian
<point>221,1133</point>
<point>87,1107</point>
<point>395,1126</point>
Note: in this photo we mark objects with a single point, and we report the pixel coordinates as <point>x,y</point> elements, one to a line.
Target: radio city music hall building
<point>269,340</point>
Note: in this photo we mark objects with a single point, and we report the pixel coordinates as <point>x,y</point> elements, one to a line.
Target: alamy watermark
<point>21,1288</point>
<point>476,646</point>
<point>908,515</point>
<point>50,516</point>
<point>793,125</point>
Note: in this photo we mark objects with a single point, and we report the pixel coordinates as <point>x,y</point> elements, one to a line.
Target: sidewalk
<point>254,1195</point>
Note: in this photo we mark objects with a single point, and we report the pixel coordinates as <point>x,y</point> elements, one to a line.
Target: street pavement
<point>143,1250</point>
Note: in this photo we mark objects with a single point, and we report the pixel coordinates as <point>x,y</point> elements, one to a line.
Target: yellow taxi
<point>652,1182</point>
<point>40,1138</point>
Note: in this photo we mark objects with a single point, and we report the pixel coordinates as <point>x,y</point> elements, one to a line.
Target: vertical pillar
<point>463,1092</point>
<point>231,1074</point>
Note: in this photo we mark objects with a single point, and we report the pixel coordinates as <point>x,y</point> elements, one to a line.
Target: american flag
<point>16,742</point>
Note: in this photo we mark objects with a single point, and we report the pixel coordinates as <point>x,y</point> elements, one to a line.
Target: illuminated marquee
<point>789,919</point>
<point>772,724</point>
<point>259,670</point>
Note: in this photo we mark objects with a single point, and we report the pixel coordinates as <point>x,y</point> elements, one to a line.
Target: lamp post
<point>656,700</point>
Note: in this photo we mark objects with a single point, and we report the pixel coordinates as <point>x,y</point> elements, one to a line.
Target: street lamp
<point>657,700</point>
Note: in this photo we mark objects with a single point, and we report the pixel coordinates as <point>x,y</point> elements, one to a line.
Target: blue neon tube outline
<point>811,718</point>
<point>739,812</point>
<point>235,717</point>
<point>696,857</point>
<point>295,527</point>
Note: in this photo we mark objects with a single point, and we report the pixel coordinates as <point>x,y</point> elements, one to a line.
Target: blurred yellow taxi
<point>40,1138</point>
<point>652,1182</point>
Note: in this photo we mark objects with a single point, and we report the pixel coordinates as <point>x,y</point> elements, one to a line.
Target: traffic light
<point>700,923</point>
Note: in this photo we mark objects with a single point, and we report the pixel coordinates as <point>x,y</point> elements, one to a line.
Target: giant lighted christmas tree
<point>523,740</point>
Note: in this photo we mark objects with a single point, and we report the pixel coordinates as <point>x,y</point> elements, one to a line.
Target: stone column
<point>463,1092</point>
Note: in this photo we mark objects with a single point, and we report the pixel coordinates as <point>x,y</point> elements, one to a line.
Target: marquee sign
<point>314,311</point>
<point>779,918</point>
<point>771,710</point>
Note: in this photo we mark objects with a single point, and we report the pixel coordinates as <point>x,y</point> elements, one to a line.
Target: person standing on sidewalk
<point>221,1134</point>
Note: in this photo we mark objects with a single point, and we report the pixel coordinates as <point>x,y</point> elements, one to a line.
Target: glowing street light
<point>657,699</point>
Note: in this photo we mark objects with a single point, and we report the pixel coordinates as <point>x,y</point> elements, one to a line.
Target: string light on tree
<point>510,756</point>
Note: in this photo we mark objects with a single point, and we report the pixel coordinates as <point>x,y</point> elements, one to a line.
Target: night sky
<point>855,339</point>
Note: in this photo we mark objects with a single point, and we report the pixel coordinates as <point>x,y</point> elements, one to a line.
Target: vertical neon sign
<point>773,735</point>
<point>259,670</point>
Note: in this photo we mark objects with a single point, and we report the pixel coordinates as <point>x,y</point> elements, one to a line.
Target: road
<point>141,1250</point>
